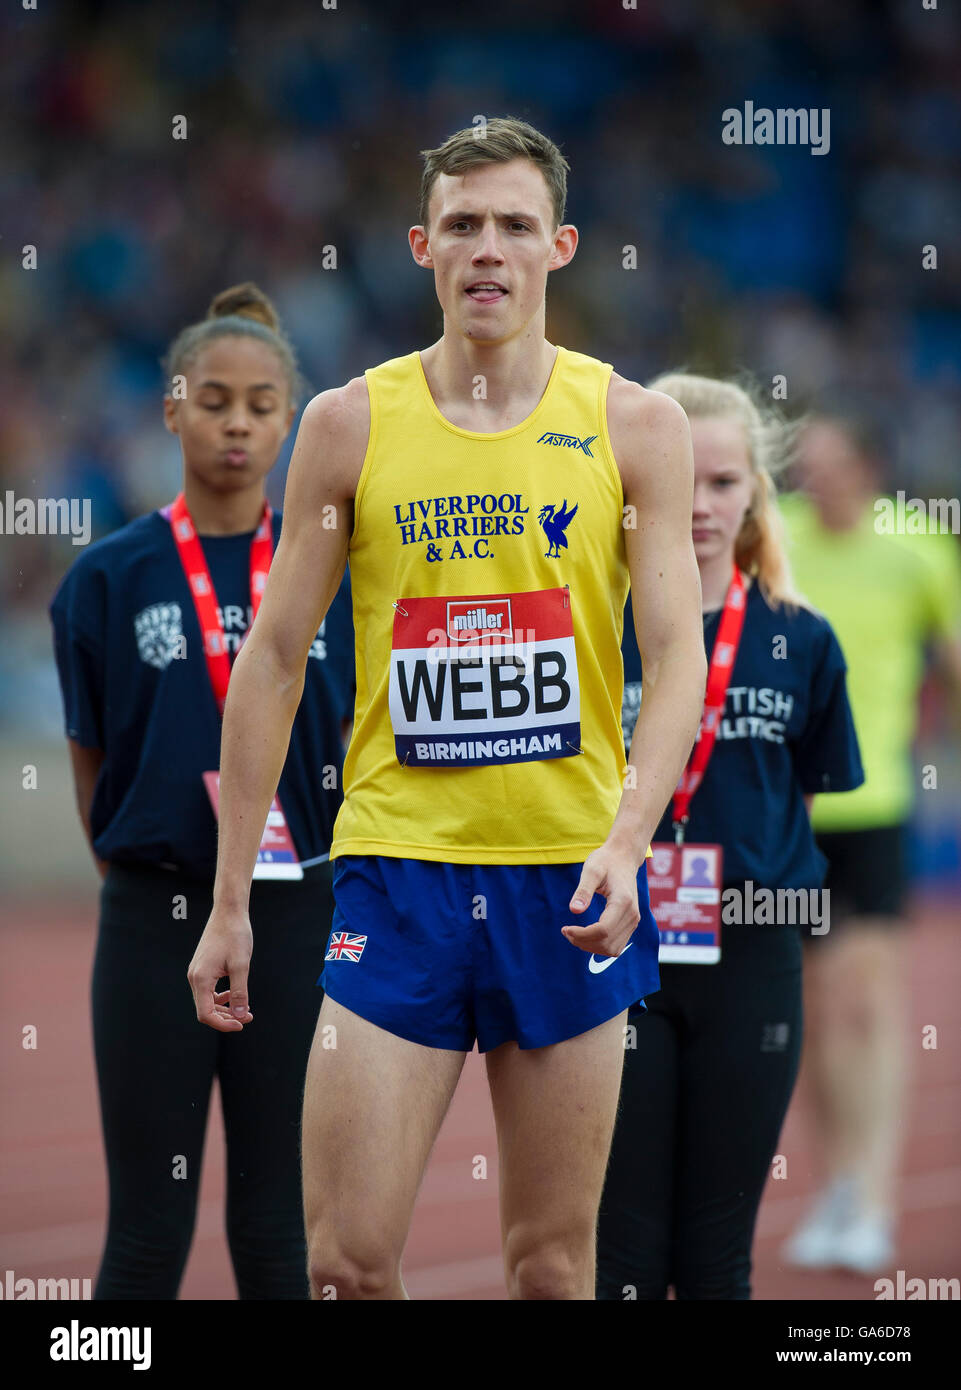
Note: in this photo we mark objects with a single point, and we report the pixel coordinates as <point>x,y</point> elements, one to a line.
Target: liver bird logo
<point>555,522</point>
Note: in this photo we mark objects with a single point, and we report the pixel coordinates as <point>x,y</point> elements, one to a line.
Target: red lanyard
<point>718,678</point>
<point>202,589</point>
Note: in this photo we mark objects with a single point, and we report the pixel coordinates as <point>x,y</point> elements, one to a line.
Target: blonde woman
<point>706,1087</point>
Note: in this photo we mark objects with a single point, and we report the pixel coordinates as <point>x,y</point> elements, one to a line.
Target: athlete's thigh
<point>865,959</point>
<point>554,1108</point>
<point>373,1104</point>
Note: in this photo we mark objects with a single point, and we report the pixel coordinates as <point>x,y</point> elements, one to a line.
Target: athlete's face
<point>491,243</point>
<point>723,485</point>
<point>235,415</point>
<point>830,469</point>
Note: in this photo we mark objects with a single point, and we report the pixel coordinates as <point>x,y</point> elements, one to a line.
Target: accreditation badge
<point>277,856</point>
<point>684,882</point>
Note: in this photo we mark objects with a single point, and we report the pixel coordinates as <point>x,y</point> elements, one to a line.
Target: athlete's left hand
<point>612,873</point>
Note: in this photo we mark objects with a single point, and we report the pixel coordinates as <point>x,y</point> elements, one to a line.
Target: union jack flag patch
<point>345,945</point>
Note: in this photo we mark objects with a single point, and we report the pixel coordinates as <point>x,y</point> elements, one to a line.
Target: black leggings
<point>703,1098</point>
<point>156,1065</point>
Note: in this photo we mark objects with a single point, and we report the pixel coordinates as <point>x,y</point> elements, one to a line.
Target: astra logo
<point>569,441</point>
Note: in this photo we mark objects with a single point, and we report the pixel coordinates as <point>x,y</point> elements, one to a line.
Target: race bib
<point>484,679</point>
<point>684,883</point>
<point>277,855</point>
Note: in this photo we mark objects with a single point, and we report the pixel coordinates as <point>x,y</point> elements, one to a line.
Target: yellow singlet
<point>489,578</point>
<point>886,596</point>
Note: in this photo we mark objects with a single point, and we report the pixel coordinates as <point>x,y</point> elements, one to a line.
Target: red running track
<point>53,1188</point>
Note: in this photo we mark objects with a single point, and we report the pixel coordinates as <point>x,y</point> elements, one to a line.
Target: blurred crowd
<point>303,131</point>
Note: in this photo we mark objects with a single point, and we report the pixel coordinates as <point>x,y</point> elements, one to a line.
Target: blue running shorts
<point>446,954</point>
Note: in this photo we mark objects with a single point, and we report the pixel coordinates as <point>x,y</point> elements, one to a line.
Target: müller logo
<point>472,622</point>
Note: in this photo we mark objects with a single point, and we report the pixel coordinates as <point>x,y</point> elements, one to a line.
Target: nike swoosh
<point>596,967</point>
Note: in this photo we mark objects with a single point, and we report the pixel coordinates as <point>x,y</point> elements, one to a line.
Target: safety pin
<point>400,609</point>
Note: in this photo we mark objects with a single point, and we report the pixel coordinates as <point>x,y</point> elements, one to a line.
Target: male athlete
<point>495,496</point>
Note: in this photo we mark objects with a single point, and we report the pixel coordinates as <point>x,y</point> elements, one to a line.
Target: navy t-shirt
<point>786,732</point>
<point>118,616</point>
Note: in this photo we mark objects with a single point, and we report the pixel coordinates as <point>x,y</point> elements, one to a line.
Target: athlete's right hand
<point>224,950</point>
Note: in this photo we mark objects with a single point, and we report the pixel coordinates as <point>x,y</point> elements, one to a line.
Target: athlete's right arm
<point>267,680</point>
<point>86,763</point>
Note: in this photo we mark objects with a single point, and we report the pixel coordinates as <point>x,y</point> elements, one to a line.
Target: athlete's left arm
<point>651,439</point>
<point>946,664</point>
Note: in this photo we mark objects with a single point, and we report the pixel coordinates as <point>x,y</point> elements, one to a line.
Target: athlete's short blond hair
<point>497,141</point>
